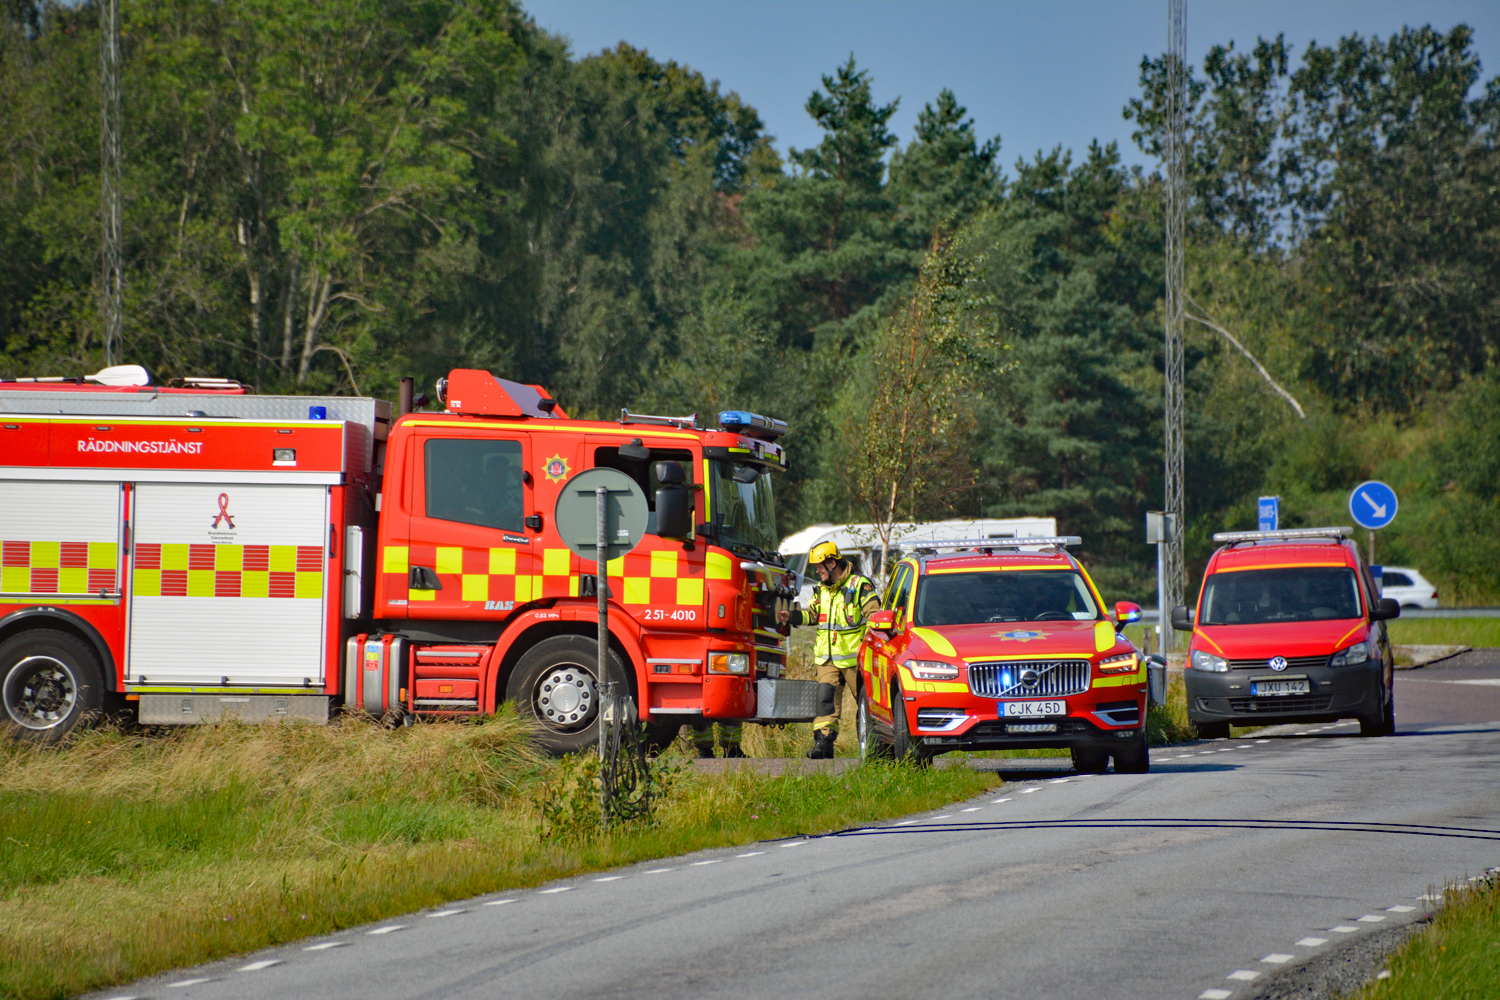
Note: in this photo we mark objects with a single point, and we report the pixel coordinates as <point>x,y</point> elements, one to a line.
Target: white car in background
<point>1407,587</point>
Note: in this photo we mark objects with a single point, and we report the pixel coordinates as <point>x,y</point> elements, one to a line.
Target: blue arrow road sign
<point>1372,505</point>
<point>1269,514</point>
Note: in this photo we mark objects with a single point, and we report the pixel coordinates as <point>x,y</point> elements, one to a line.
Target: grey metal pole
<point>1161,598</point>
<point>606,687</point>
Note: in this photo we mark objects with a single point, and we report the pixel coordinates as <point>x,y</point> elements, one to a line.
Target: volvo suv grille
<point>1029,678</point>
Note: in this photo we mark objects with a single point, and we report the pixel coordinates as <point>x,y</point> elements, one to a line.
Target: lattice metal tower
<point>1175,570</point>
<point>111,211</point>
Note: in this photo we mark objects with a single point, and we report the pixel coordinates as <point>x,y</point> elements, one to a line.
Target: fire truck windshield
<point>744,512</point>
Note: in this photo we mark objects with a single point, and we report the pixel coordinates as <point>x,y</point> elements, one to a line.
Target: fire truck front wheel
<point>50,683</point>
<point>556,683</point>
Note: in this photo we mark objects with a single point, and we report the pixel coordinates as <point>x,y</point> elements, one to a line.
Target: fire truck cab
<point>200,552</point>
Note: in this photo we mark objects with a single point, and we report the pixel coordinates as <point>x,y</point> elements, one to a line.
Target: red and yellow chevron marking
<point>182,570</point>
<point>661,579</point>
<point>58,567</point>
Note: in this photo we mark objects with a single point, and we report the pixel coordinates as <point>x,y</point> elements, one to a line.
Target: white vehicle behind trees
<point>861,542</point>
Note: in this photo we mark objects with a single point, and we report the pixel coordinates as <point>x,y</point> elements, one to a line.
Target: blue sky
<point>1038,74</point>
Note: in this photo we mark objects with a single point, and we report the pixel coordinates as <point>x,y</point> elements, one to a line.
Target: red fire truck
<point>201,552</point>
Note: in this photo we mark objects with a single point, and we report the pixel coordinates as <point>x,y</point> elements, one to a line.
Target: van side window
<point>475,481</point>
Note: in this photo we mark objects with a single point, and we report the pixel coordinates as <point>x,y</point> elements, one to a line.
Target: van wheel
<point>50,684</point>
<point>1383,724</point>
<point>1212,730</point>
<point>556,685</point>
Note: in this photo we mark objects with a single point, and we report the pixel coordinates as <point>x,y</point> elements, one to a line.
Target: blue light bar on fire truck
<point>1259,536</point>
<point>752,424</point>
<point>1056,541</point>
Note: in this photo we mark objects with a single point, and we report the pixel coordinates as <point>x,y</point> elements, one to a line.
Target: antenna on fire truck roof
<point>689,422</point>
<point>114,375</point>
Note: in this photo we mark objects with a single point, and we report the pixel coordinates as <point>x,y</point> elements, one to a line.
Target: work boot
<point>822,748</point>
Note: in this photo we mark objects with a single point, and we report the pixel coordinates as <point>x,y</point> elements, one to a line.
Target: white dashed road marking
<point>799,843</point>
<point>188,982</point>
<point>710,861</point>
<point>1371,918</point>
<point>387,929</point>
<point>752,854</point>
<point>1244,975</point>
<point>996,802</point>
<point>257,966</point>
<point>548,892</point>
<point>1343,929</point>
<point>1215,995</point>
<point>1028,791</point>
<point>1399,909</point>
<point>324,946</point>
<point>609,878</point>
<point>1312,942</point>
<point>442,913</point>
<point>973,809</point>
<point>658,871</point>
<point>499,902</point>
<point>1278,958</point>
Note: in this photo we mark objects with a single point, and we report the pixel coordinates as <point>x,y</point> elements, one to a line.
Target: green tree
<point>944,176</point>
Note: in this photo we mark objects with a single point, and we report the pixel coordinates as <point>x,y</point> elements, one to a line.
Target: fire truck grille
<point>1292,663</point>
<point>1029,678</point>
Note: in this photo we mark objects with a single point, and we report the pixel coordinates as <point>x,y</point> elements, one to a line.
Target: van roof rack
<point>1285,534</point>
<point>1056,541</point>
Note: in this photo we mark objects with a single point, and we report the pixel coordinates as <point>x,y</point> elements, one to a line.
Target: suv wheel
<point>1212,730</point>
<point>1134,757</point>
<point>906,747</point>
<point>870,747</point>
<point>1090,760</point>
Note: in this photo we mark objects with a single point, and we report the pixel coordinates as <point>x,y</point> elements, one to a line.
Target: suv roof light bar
<point>689,422</point>
<point>1056,541</point>
<point>1263,536</point>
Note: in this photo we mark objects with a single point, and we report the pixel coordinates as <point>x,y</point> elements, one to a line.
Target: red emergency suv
<point>1002,647</point>
<point>1289,627</point>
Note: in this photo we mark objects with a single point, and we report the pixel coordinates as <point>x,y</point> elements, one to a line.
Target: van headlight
<point>729,663</point>
<point>1357,653</point>
<point>1208,662</point>
<point>932,670</point>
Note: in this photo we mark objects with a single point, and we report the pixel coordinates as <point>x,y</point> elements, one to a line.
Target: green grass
<point>1480,633</point>
<point>1457,958</point>
<point>128,854</point>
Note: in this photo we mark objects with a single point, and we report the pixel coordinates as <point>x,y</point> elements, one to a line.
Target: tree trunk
<point>289,317</point>
<point>319,287</point>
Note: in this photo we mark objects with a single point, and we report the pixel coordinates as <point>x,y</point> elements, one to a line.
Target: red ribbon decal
<point>223,514</point>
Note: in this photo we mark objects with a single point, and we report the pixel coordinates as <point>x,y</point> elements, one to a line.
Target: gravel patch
<point>1339,971</point>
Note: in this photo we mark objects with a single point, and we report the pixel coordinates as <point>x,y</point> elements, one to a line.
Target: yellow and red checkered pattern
<point>659,578</point>
<point>58,567</point>
<point>184,570</point>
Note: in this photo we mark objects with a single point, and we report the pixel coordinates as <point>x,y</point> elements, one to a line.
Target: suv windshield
<point>1009,596</point>
<point>1257,596</point>
<point>744,512</point>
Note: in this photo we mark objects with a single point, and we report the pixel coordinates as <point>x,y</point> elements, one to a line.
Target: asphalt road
<point>1217,875</point>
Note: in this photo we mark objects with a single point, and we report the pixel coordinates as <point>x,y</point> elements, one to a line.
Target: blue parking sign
<point>1268,514</point>
<point>1372,505</point>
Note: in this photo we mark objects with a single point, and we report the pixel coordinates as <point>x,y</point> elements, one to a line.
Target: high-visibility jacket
<point>838,612</point>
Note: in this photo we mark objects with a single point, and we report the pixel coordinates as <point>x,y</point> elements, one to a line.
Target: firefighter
<point>729,738</point>
<point>841,605</point>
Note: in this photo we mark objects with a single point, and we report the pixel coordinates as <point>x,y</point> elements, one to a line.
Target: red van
<point>1289,627</point>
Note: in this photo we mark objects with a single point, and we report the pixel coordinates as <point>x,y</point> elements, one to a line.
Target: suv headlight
<point>1209,663</point>
<point>1357,653</point>
<point>729,663</point>
<point>1117,664</point>
<point>932,670</point>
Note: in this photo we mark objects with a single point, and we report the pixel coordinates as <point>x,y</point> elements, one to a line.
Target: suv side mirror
<point>674,514</point>
<point>1126,613</point>
<point>1385,609</point>
<point>1182,618</point>
<point>883,620</point>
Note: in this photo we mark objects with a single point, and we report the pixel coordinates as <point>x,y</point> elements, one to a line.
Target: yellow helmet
<point>822,552</point>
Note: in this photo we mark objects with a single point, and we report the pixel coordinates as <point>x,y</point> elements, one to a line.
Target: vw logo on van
<point>1277,663</point>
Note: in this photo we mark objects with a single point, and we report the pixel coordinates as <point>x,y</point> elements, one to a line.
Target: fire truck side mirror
<point>674,515</point>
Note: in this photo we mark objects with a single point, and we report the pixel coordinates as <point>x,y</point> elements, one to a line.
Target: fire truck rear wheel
<point>50,684</point>
<point>556,683</point>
